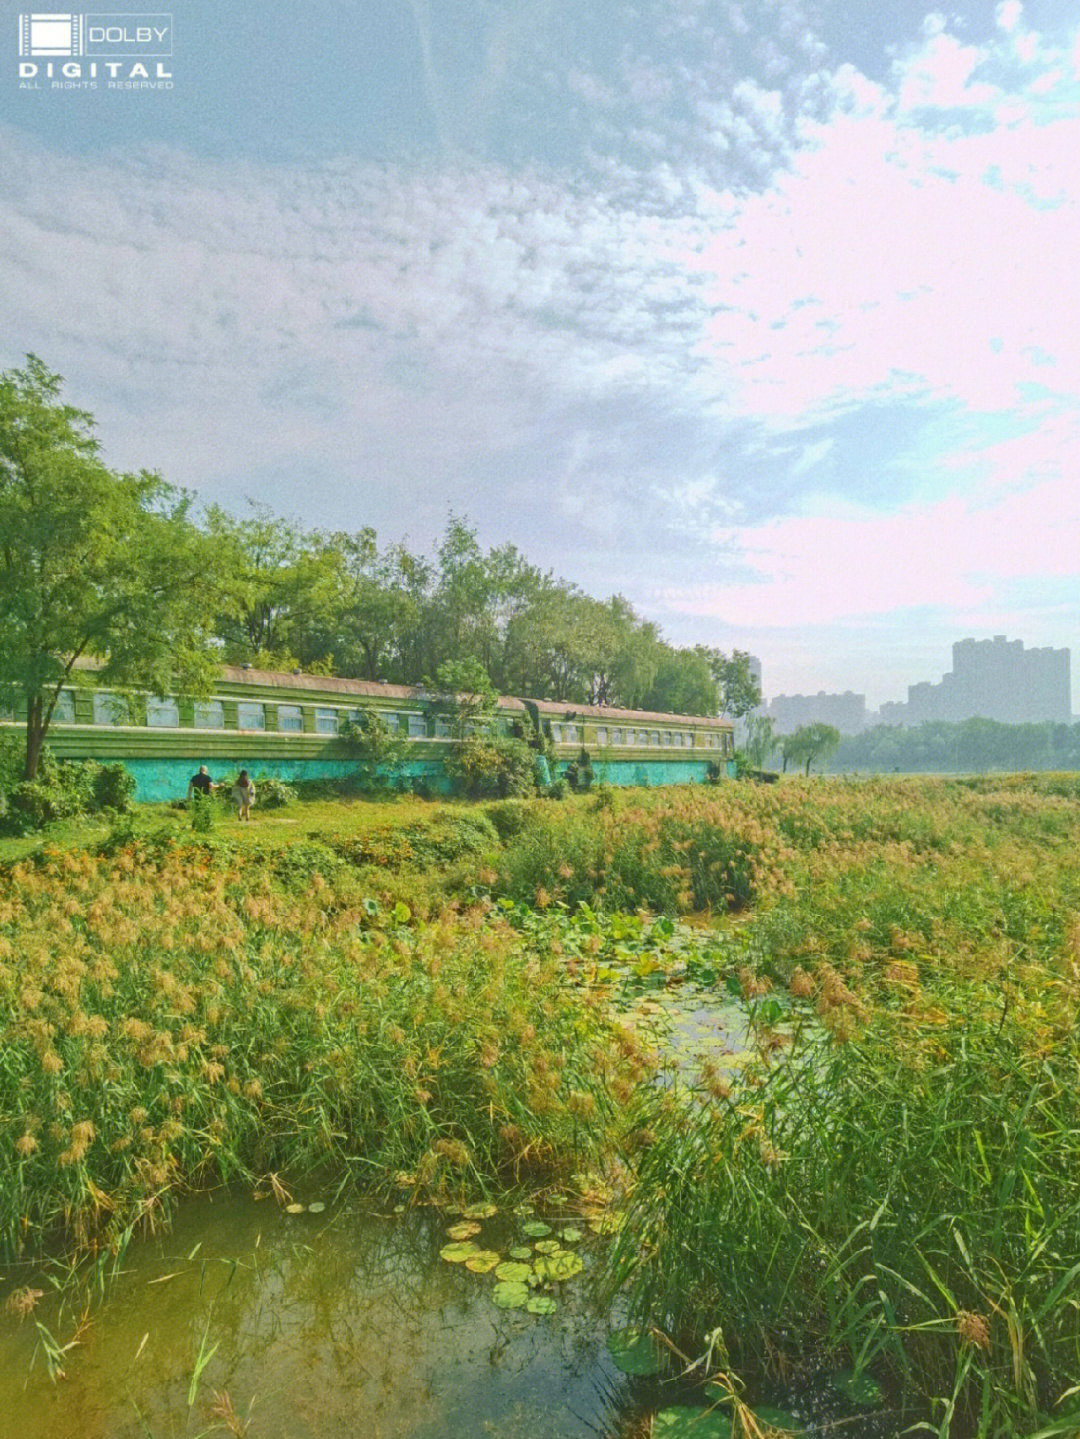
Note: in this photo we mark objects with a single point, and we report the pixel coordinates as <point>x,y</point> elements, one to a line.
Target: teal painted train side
<point>288,726</point>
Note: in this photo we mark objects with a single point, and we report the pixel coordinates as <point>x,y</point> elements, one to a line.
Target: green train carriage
<point>289,726</point>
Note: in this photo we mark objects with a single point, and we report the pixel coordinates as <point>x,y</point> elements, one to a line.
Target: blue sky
<point>763,315</point>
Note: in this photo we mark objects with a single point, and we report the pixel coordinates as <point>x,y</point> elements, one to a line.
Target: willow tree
<point>93,565</point>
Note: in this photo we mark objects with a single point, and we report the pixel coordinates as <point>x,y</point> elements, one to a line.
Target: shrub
<point>484,768</point>
<point>510,817</point>
<point>274,793</point>
<point>113,788</point>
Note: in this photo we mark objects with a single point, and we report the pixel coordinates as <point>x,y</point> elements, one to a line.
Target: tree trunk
<point>35,737</point>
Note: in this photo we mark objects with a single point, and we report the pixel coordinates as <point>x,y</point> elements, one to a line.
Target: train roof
<point>381,689</point>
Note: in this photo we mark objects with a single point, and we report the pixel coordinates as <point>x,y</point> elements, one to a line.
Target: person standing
<point>200,784</point>
<point>243,795</point>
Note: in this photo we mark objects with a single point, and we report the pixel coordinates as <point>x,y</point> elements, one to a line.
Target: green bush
<point>487,768</point>
<point>510,817</point>
<point>59,791</point>
<point>113,788</point>
<point>273,793</point>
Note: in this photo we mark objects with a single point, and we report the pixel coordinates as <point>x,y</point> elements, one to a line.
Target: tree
<point>268,596</point>
<point>468,694</point>
<point>683,683</point>
<point>760,740</point>
<point>808,743</point>
<point>92,564</point>
<point>740,692</point>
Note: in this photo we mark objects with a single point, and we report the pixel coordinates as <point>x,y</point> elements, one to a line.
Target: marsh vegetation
<point>446,1004</point>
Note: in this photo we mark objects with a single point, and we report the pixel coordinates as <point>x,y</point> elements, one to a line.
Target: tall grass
<point>891,1184</point>
<point>180,1018</point>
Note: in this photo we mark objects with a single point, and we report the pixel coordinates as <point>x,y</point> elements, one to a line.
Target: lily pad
<point>511,1273</point>
<point>554,1268</point>
<point>861,1389</point>
<point>483,1261</point>
<point>541,1304</point>
<point>483,1210</point>
<point>682,1421</point>
<point>521,1251</point>
<point>570,1235</point>
<point>536,1229</point>
<point>458,1253</point>
<point>510,1296</point>
<point>606,1224</point>
<point>635,1351</point>
<point>548,1246</point>
<point>465,1230</point>
<point>295,1208</point>
<point>316,1208</point>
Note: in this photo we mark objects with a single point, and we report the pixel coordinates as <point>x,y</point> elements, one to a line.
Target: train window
<point>443,728</point>
<point>601,736</point>
<point>250,714</point>
<point>162,713</point>
<point>616,736</point>
<point>290,718</point>
<point>108,708</point>
<point>389,719</point>
<point>417,726</point>
<point>570,733</point>
<point>209,714</point>
<point>326,719</point>
<point>64,713</point>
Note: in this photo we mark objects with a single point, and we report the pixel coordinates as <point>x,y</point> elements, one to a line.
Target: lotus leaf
<point>465,1230</point>
<point>295,1208</point>
<point>482,1210</point>
<point>536,1229</point>
<point>606,1224</point>
<point>570,1235</point>
<point>512,1273</point>
<point>548,1246</point>
<point>317,1207</point>
<point>510,1296</point>
<point>859,1389</point>
<point>483,1261</point>
<point>635,1351</point>
<point>682,1421</point>
<point>541,1304</point>
<point>521,1251</point>
<point>458,1253</point>
<point>557,1267</point>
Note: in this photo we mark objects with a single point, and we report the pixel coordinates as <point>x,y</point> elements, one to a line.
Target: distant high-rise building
<point>992,679</point>
<point>847,711</point>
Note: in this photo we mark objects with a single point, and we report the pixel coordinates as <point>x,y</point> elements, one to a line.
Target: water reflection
<point>345,1324</point>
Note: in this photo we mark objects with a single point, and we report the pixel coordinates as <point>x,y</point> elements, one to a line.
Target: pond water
<point>342,1325</point>
<point>345,1323</point>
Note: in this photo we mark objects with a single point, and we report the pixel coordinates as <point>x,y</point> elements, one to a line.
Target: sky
<point>765,315</point>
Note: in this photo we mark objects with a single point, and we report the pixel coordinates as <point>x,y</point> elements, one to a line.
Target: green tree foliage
<point>760,741</point>
<point>971,746</point>
<point>92,564</point>
<point>808,743</point>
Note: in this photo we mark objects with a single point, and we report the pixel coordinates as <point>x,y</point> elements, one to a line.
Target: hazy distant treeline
<point>972,746</point>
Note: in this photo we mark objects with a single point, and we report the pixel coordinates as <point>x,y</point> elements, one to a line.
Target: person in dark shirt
<point>201,783</point>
